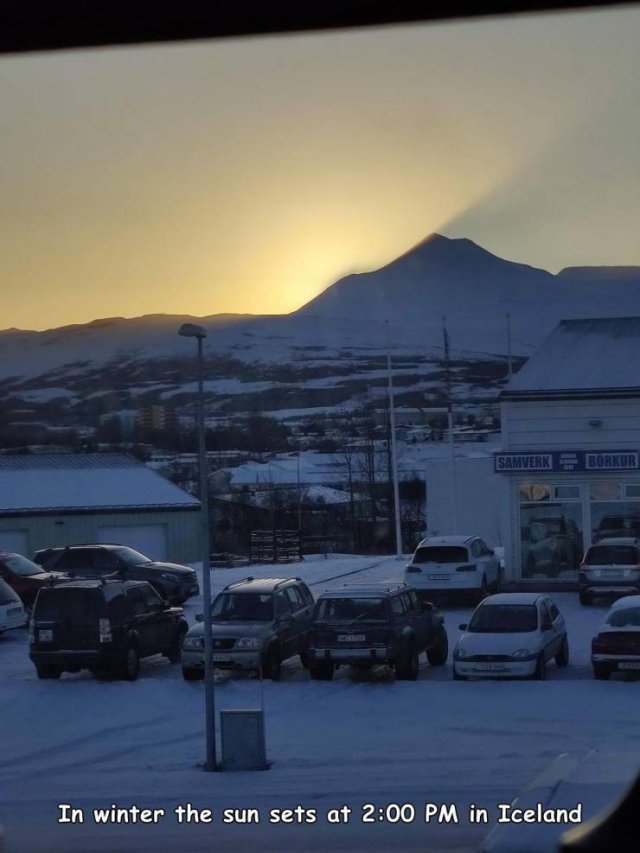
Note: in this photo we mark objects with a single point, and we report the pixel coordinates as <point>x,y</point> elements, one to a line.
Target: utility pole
<point>509,361</point>
<point>447,379</point>
<point>394,457</point>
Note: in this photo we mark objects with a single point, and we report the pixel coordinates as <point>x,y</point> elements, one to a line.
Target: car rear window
<point>73,605</point>
<point>352,610</point>
<point>441,554</point>
<point>624,616</point>
<point>612,555</point>
<point>504,619</point>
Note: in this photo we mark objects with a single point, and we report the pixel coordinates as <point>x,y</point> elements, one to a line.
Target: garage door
<point>150,539</point>
<point>15,541</point>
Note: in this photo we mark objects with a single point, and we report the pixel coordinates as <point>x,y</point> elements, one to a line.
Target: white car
<point>513,634</point>
<point>12,612</point>
<point>460,564</point>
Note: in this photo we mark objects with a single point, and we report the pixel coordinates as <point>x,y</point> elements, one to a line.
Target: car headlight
<point>247,643</point>
<point>521,653</point>
<point>459,654</point>
<point>193,643</point>
<point>169,577</point>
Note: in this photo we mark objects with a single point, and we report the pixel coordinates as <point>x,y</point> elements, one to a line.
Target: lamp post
<point>190,330</point>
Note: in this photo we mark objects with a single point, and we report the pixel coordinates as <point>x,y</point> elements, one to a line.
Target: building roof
<point>87,482</point>
<point>582,358</point>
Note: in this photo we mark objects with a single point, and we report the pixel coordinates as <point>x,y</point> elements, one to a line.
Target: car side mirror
<point>463,626</point>
<point>427,605</point>
<point>199,617</point>
<point>166,605</point>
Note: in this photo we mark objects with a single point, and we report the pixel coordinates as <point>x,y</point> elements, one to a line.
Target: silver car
<point>256,624</point>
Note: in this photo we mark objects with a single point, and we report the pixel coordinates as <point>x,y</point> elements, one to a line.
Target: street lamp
<point>191,330</point>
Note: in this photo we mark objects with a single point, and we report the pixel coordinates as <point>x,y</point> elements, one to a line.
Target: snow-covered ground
<point>351,741</point>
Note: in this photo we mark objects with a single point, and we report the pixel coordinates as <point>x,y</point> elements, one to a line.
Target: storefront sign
<point>566,461</point>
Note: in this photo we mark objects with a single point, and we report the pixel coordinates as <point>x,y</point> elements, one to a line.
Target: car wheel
<point>601,672</point>
<point>190,674</point>
<point>586,599</point>
<point>458,677</point>
<point>175,652</point>
<point>304,660</point>
<point>271,666</point>
<point>483,592</point>
<point>47,671</point>
<point>321,671</point>
<point>562,658</point>
<point>540,672</point>
<point>438,653</point>
<point>131,663</point>
<point>407,668</point>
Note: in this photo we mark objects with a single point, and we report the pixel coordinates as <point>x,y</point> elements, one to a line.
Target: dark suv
<point>102,625</point>
<point>365,626</point>
<point>256,624</point>
<point>173,582</point>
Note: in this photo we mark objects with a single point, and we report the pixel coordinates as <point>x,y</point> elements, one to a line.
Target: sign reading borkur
<point>565,461</point>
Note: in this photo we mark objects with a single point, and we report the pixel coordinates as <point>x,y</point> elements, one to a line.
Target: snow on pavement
<point>358,739</point>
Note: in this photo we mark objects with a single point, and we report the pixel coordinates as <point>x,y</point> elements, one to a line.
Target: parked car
<point>102,625</point>
<point>511,635</point>
<point>377,624</point>
<point>610,567</point>
<point>458,564</point>
<point>540,550</point>
<point>174,582</point>
<point>256,624</point>
<point>12,612</point>
<point>26,577</point>
<point>615,526</point>
<point>616,646</point>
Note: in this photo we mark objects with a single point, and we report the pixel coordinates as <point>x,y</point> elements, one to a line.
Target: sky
<point>247,175</point>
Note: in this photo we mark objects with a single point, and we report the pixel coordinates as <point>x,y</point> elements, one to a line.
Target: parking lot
<point>362,738</point>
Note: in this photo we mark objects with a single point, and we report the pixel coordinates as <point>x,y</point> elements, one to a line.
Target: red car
<point>26,577</point>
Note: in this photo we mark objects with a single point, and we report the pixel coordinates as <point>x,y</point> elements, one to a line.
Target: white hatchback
<point>513,634</point>
<point>12,612</point>
<point>459,564</point>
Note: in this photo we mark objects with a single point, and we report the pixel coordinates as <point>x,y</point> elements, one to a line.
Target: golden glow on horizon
<point>247,176</point>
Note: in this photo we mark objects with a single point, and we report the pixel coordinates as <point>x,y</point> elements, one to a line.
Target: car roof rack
<point>241,580</point>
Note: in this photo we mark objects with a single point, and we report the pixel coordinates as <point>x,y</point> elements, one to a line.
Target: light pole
<point>394,455</point>
<point>190,330</point>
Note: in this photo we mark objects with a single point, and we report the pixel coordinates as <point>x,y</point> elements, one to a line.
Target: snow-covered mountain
<point>333,347</point>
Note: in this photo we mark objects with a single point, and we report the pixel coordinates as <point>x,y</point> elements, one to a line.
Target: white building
<point>568,470</point>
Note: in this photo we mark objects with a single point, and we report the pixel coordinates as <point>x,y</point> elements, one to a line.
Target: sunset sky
<point>247,175</point>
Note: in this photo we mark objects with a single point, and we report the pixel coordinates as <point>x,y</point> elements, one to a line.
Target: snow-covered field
<point>351,741</point>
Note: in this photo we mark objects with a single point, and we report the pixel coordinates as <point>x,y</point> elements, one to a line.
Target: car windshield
<point>19,565</point>
<point>610,555</point>
<point>243,607</point>
<point>7,595</point>
<point>504,619</point>
<point>623,617</point>
<point>441,554</point>
<point>129,556</point>
<point>351,610</point>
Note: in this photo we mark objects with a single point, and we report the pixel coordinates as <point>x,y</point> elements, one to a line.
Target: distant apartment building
<point>159,417</point>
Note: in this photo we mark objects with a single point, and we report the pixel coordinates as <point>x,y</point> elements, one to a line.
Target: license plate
<point>351,638</point>
<point>45,636</point>
<point>612,573</point>
<point>629,665</point>
<point>438,577</point>
<point>221,658</point>
<point>491,667</point>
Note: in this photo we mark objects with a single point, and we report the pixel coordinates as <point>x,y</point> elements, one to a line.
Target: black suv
<point>173,582</point>
<point>103,626</point>
<point>365,626</point>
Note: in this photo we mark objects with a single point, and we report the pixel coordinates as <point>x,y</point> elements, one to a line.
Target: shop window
<point>605,490</point>
<point>530,492</point>
<point>614,518</point>
<point>566,493</point>
<point>632,491</point>
<point>551,539</point>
